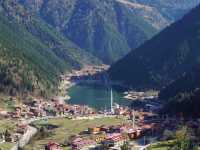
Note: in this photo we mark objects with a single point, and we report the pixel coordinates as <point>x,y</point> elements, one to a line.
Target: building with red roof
<point>83,144</point>
<point>53,146</point>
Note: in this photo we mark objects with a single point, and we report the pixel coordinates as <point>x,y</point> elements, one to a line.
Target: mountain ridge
<point>33,55</point>
<point>94,18</point>
<point>163,58</point>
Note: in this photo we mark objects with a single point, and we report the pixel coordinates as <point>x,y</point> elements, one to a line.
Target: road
<point>31,131</point>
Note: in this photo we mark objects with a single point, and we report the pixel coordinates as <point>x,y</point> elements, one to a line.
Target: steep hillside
<point>182,95</point>
<point>163,58</point>
<point>33,54</point>
<point>24,60</point>
<point>109,29</point>
<point>106,28</point>
<point>171,9</point>
<point>187,104</point>
<point>187,82</point>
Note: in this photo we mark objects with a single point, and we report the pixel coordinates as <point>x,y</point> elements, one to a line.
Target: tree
<point>167,135</point>
<point>125,146</point>
<point>184,140</point>
<point>43,132</point>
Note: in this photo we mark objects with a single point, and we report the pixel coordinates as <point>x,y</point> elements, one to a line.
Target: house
<point>22,128</point>
<point>3,113</point>
<point>105,129</point>
<point>115,139</point>
<point>83,144</point>
<point>8,136</point>
<point>134,133</point>
<point>53,146</point>
<point>94,130</point>
<point>115,129</point>
<point>18,111</point>
<point>99,138</point>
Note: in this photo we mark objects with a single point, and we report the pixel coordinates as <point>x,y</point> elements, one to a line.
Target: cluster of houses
<point>134,95</point>
<point>40,108</point>
<point>110,137</point>
<point>90,70</point>
<point>95,137</point>
<point>99,137</point>
<point>113,137</point>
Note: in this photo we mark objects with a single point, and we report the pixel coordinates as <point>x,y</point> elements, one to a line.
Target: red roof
<point>83,142</point>
<point>115,137</point>
<point>52,144</point>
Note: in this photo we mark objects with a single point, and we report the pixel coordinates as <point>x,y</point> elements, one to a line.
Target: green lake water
<point>95,96</point>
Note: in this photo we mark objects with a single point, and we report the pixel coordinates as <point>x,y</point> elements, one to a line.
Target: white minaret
<point>111,102</point>
<point>133,119</point>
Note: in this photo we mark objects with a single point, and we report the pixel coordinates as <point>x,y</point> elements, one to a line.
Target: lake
<point>95,96</point>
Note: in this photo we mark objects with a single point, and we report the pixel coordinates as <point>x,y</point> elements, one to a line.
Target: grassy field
<point>10,125</point>
<point>7,124</point>
<point>67,128</point>
<point>162,145</point>
<point>6,146</point>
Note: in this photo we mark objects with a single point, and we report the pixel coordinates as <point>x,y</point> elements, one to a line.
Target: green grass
<point>67,128</point>
<point>10,125</point>
<point>7,124</point>
<point>166,145</point>
<point>6,146</point>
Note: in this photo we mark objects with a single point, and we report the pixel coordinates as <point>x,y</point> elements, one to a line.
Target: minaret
<point>133,119</point>
<point>111,102</point>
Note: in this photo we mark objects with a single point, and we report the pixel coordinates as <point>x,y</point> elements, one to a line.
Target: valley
<point>38,114</point>
<point>99,74</point>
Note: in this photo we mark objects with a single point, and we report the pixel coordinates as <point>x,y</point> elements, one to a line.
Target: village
<point>137,124</point>
<point>39,109</point>
<point>136,127</point>
<point>135,95</point>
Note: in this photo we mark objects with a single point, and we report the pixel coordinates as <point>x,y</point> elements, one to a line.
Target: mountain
<point>187,82</point>
<point>41,39</point>
<point>187,104</point>
<point>33,54</point>
<point>171,9</point>
<point>182,95</point>
<point>107,29</point>
<point>164,58</point>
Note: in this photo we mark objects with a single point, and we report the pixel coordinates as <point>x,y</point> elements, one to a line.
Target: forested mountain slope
<point>171,9</point>
<point>165,57</point>
<point>33,54</point>
<point>106,28</point>
<point>182,95</point>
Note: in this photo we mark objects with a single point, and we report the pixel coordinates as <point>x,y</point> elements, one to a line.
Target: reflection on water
<point>95,96</point>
